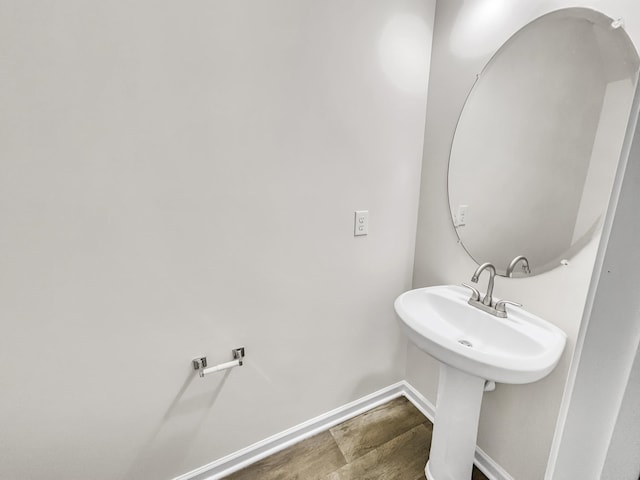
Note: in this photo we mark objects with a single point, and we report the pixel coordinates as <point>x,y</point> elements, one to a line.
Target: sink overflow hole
<point>466,343</point>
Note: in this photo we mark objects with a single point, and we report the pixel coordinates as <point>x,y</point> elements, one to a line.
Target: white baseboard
<point>251,454</point>
<point>427,408</point>
<point>242,458</point>
<point>491,469</point>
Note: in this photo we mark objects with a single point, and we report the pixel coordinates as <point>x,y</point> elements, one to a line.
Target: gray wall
<point>179,179</point>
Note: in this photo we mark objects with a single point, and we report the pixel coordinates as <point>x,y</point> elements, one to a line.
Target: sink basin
<point>521,348</point>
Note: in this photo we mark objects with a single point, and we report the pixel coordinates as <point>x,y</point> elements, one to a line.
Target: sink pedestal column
<point>455,429</point>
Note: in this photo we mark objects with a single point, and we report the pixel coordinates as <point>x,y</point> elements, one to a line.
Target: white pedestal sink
<point>473,346</point>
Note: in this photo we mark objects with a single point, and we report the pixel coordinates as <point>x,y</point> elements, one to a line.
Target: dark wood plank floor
<point>390,442</point>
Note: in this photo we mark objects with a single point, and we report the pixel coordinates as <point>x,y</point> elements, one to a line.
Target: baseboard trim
<point>253,453</point>
<point>491,469</point>
<point>427,408</point>
<point>242,458</point>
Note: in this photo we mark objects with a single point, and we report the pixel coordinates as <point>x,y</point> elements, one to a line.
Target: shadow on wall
<point>172,439</point>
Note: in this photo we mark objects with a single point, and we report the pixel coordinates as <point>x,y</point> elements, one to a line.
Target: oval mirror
<point>537,144</point>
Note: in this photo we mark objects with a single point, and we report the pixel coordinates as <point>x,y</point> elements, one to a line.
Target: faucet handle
<point>501,305</point>
<point>475,294</point>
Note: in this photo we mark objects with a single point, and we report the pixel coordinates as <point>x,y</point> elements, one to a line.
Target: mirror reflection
<point>537,144</point>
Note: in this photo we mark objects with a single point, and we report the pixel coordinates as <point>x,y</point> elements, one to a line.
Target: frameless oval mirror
<point>537,144</point>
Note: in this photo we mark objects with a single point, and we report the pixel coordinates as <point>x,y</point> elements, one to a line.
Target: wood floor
<point>390,442</point>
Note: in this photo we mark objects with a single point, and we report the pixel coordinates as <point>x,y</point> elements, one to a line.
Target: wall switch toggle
<point>361,223</point>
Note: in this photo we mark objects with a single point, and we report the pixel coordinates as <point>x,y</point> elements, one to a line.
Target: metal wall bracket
<point>200,363</point>
<point>238,353</point>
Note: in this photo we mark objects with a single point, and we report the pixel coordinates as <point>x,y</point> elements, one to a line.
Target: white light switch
<point>361,223</point>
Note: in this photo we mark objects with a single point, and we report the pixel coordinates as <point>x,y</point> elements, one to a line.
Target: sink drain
<point>466,343</point>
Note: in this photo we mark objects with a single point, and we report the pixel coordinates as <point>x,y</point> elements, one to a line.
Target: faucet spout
<point>488,297</point>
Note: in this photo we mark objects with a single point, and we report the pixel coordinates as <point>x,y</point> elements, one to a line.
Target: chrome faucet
<point>487,304</point>
<point>487,300</point>
<point>514,262</point>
